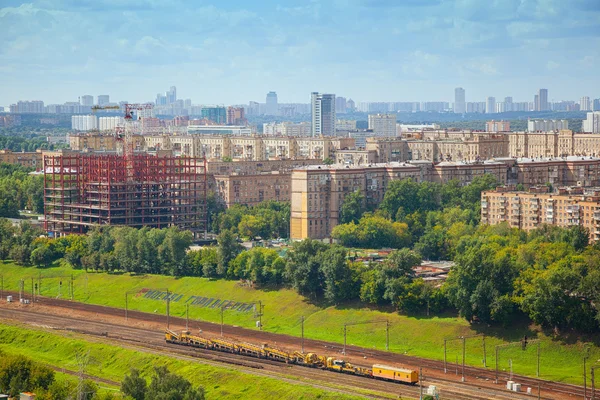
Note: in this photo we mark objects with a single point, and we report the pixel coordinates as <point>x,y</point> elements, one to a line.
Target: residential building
<point>497,126</point>
<point>110,123</point>
<point>585,104</point>
<point>541,100</point>
<point>103,99</point>
<point>25,159</point>
<point>508,104</point>
<point>219,130</point>
<point>383,125</point>
<point>87,100</point>
<point>252,189</point>
<point>171,95</point>
<point>287,129</point>
<point>345,125</point>
<point>547,125</point>
<point>566,208</point>
<point>236,116</point>
<point>271,104</point>
<point>323,114</point>
<point>84,123</point>
<point>319,191</point>
<point>490,105</point>
<point>350,106</point>
<point>340,105</point>
<point>460,106</point>
<point>596,105</point>
<point>28,107</point>
<point>592,123</point>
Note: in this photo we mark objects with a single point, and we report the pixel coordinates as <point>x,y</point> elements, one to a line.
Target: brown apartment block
<point>26,159</point>
<point>566,208</point>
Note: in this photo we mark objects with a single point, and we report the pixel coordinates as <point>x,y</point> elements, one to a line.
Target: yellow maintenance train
<point>312,360</point>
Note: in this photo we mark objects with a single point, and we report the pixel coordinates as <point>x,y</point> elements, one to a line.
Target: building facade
<point>460,106</point>
<point>566,208</point>
<point>25,159</point>
<point>592,122</point>
<point>323,114</point>
<point>383,125</point>
<point>497,126</point>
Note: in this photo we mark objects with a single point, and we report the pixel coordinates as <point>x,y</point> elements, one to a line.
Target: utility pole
<point>420,383</point>
<point>302,322</point>
<point>344,351</point>
<point>72,288</point>
<point>126,315</point>
<point>484,360</point>
<point>445,369</point>
<point>387,335</point>
<point>32,292</point>
<point>496,364</point>
<point>187,317</point>
<point>21,289</point>
<point>463,360</point>
<point>222,321</point>
<point>586,354</point>
<point>168,311</point>
<point>2,286</point>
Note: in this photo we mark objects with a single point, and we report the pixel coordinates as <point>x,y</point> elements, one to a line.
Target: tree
<point>400,194</point>
<point>339,282</point>
<point>227,249</point>
<point>166,385</point>
<point>303,270</point>
<point>352,208</point>
<point>134,385</point>
<point>328,161</point>
<point>42,256</point>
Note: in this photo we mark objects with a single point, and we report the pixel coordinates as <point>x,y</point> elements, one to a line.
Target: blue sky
<point>234,51</point>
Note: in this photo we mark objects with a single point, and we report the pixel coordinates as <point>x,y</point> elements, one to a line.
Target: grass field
<point>423,336</point>
<point>113,362</point>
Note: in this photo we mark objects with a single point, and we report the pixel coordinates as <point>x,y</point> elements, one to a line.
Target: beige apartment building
<point>527,211</point>
<point>252,189</point>
<point>319,191</point>
<point>26,159</point>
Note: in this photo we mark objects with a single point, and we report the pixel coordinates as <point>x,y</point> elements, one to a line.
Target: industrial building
<point>85,190</point>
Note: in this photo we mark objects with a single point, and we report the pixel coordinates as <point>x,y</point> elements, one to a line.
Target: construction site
<point>126,188</point>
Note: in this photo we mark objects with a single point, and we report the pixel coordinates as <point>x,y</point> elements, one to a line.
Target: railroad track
<point>547,387</point>
<point>154,342</point>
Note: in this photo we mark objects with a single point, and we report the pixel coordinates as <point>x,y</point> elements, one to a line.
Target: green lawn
<point>113,362</point>
<point>418,336</point>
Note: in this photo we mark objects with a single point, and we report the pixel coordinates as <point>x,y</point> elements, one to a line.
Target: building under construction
<point>83,190</point>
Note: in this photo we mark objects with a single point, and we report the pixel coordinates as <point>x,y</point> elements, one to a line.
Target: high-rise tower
<point>323,114</point>
<point>460,106</point>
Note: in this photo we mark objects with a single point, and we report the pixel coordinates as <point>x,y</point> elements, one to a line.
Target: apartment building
<point>319,191</point>
<point>566,208</point>
<point>252,189</point>
<point>25,159</point>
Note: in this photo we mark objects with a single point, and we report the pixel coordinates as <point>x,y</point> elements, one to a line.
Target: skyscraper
<point>508,104</point>
<point>585,104</point>
<point>460,106</point>
<point>596,105</point>
<point>340,105</point>
<point>541,100</point>
<point>172,95</point>
<point>490,105</point>
<point>592,123</point>
<point>323,114</point>
<point>87,100</point>
<point>271,106</point>
<point>103,99</point>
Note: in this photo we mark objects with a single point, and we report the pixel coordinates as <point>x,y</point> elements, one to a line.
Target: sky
<point>230,52</point>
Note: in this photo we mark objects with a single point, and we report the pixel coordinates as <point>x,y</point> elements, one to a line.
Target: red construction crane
<point>126,135</point>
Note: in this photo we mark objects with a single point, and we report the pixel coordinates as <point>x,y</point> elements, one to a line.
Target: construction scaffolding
<point>82,191</point>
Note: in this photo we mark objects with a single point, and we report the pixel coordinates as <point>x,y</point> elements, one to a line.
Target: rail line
<point>547,387</point>
<point>154,342</point>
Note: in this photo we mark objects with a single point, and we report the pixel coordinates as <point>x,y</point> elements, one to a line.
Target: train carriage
<point>395,374</point>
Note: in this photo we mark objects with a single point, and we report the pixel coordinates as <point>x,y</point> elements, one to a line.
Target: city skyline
<point>417,51</point>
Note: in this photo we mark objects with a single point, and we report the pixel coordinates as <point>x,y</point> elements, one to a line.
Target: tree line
<point>427,216</point>
<point>267,220</point>
<point>21,374</point>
